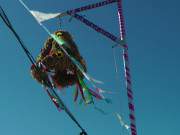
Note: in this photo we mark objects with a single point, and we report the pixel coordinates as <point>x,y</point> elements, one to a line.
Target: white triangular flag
<point>40,16</point>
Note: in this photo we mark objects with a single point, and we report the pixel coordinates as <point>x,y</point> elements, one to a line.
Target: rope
<point>67,110</point>
<point>9,25</point>
<point>115,61</point>
<point>33,61</point>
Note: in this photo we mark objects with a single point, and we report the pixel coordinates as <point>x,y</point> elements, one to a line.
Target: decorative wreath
<point>54,60</point>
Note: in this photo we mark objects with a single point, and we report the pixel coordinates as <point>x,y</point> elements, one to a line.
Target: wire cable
<point>33,61</point>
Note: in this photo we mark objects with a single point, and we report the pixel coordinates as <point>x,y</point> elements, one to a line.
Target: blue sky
<point>153,37</point>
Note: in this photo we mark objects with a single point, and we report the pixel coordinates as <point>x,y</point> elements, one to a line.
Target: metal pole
<point>91,6</point>
<point>127,71</point>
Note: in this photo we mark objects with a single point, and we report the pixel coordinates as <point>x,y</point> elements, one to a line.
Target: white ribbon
<point>123,124</point>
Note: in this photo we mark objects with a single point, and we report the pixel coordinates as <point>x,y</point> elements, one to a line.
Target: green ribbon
<point>88,95</point>
<point>58,39</point>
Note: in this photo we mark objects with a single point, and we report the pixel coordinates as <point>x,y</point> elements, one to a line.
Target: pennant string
<point>62,42</point>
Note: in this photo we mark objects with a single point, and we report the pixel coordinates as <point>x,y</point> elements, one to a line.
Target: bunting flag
<point>123,124</point>
<point>40,16</point>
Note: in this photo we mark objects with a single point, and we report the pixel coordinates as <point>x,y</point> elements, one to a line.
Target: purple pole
<point>92,6</point>
<point>127,71</point>
<point>95,27</point>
